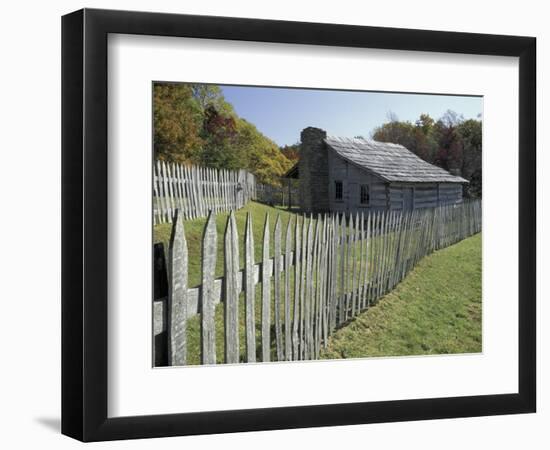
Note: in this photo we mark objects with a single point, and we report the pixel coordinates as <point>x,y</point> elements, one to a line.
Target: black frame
<point>84,224</point>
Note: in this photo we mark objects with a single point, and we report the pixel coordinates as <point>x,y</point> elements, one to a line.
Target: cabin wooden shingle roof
<point>392,162</point>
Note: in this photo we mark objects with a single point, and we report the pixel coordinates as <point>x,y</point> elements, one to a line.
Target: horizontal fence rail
<point>194,191</point>
<point>324,271</point>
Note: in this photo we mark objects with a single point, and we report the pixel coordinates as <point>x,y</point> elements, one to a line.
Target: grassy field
<point>435,310</point>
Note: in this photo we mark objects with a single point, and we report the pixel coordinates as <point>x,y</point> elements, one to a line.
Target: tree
<point>219,135</point>
<point>194,124</point>
<point>260,155</point>
<point>451,143</point>
<point>291,152</point>
<point>211,95</point>
<point>471,135</point>
<point>177,122</point>
<point>396,132</point>
<point>451,118</point>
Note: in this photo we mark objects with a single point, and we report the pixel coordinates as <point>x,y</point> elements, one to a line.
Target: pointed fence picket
<point>330,269</point>
<point>231,291</point>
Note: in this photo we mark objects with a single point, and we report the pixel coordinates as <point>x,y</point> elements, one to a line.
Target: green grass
<point>435,310</point>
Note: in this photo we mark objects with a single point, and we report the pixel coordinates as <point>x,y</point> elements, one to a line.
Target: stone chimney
<point>313,167</point>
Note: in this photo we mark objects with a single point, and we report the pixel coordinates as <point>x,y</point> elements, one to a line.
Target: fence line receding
<point>330,268</point>
<point>194,191</point>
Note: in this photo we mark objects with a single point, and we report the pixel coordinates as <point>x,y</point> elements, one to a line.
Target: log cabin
<point>343,175</point>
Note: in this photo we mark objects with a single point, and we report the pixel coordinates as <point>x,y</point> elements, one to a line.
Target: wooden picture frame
<point>84,224</point>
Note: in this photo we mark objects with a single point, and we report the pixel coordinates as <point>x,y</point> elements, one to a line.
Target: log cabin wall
<point>352,178</point>
<point>382,195</point>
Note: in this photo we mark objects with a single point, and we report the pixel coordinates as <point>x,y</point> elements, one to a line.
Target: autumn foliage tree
<point>194,124</point>
<point>177,123</point>
<point>451,143</point>
<point>292,152</point>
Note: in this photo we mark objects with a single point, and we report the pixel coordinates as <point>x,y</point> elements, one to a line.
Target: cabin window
<point>338,190</point>
<point>364,194</point>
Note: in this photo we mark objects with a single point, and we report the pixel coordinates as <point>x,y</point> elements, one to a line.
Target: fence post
<point>162,196</point>
<point>354,268</point>
<point>277,289</point>
<point>177,295</point>
<point>361,283</point>
<point>368,262</point>
<point>297,289</point>
<point>156,197</point>
<point>266,295</point>
<point>334,272</point>
<point>209,253</point>
<point>231,291</point>
<point>288,262</point>
<point>250,292</point>
<point>168,179</point>
<point>304,287</point>
<point>314,291</point>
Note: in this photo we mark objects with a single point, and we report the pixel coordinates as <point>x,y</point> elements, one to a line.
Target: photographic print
<point>319,211</point>
<point>294,224</point>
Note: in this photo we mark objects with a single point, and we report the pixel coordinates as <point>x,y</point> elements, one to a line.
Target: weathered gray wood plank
<point>353,282</point>
<point>308,292</point>
<point>266,295</point>
<point>342,265</point>
<point>168,180</point>
<point>209,254</point>
<point>287,271</point>
<point>361,277</point>
<point>177,295</point>
<point>250,292</point>
<point>277,290</point>
<point>162,194</point>
<point>314,281</point>
<point>297,288</point>
<point>334,272</point>
<point>350,265</point>
<point>157,214</point>
<point>368,249</point>
<point>231,291</point>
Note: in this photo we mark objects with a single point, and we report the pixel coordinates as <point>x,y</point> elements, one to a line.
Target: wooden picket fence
<point>277,195</point>
<point>194,191</point>
<point>330,269</point>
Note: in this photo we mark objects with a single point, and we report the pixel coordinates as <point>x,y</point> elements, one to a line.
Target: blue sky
<point>281,113</point>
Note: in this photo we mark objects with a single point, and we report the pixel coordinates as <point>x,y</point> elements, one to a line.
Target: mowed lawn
<point>436,309</point>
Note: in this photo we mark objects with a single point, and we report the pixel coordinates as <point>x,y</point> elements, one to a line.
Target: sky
<point>281,113</point>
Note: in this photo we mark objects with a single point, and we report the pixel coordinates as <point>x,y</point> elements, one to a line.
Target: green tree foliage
<point>194,124</point>
<point>178,121</point>
<point>219,135</point>
<point>260,155</point>
<point>470,133</point>
<point>450,142</point>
